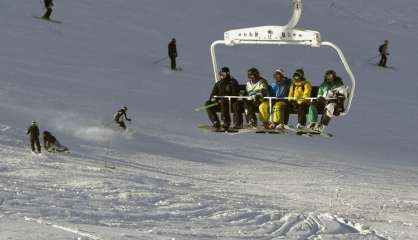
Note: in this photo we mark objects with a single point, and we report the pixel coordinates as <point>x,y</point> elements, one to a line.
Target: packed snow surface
<point>166,179</point>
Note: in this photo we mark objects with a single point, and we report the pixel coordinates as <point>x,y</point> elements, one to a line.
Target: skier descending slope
<point>332,87</point>
<point>172,54</point>
<point>119,115</point>
<point>48,7</point>
<point>33,131</point>
<point>227,86</point>
<point>383,50</point>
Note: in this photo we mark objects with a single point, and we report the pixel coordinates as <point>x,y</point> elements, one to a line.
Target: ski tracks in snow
<point>78,232</point>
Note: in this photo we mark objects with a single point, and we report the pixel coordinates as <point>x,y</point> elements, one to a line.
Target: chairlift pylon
<point>282,35</point>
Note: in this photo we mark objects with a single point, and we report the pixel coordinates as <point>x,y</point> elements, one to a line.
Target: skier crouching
<point>51,143</point>
<point>332,87</point>
<point>119,115</point>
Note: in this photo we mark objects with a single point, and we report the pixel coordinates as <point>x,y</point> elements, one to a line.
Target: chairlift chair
<point>282,35</point>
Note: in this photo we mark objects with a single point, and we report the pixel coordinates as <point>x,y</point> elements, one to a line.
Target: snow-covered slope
<point>173,181</point>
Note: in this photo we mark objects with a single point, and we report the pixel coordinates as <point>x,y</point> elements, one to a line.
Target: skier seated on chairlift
<point>280,89</point>
<point>300,89</point>
<point>257,89</point>
<point>226,86</point>
<point>119,115</point>
<point>51,143</point>
<point>332,87</point>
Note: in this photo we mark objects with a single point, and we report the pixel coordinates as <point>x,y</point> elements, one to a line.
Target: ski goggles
<point>297,76</point>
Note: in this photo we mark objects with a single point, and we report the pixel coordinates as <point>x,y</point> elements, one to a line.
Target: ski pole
<point>160,60</point>
<point>205,107</point>
<point>373,58</point>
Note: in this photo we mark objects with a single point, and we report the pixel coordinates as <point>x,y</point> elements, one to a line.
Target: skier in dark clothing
<point>48,7</point>
<point>119,115</point>
<point>383,50</point>
<point>33,131</point>
<point>172,53</point>
<point>227,86</point>
<point>51,143</point>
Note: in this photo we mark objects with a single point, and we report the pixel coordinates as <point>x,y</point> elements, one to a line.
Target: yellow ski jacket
<point>300,89</point>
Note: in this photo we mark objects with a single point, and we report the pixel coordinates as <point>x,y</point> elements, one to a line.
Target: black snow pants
<point>121,124</point>
<point>35,142</point>
<point>383,60</point>
<point>251,108</point>
<point>223,107</point>
<point>173,63</point>
<point>48,13</point>
<point>302,110</point>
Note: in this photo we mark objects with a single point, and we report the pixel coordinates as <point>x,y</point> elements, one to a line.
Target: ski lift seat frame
<point>273,99</point>
<point>281,35</point>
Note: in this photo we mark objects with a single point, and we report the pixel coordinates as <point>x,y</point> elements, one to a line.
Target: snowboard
<point>48,20</point>
<point>271,131</point>
<point>307,132</point>
<point>212,129</point>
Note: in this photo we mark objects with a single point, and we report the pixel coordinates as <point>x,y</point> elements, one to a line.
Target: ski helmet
<point>125,108</point>
<point>225,70</point>
<point>299,74</point>
<point>330,72</point>
<point>253,72</point>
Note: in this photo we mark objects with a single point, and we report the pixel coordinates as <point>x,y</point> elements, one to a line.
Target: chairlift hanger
<point>281,35</point>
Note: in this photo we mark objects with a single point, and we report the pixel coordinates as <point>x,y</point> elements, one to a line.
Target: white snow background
<point>173,181</point>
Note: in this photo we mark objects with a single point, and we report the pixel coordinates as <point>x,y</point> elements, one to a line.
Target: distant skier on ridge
<point>48,7</point>
<point>172,53</point>
<point>119,115</point>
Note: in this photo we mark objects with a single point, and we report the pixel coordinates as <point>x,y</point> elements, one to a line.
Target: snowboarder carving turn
<point>172,53</point>
<point>33,132</point>
<point>119,115</point>
<point>383,50</point>
<point>48,4</point>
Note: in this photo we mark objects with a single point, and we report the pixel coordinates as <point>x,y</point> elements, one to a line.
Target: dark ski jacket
<point>119,114</point>
<point>383,49</point>
<point>48,3</point>
<point>226,87</point>
<point>172,49</point>
<point>33,131</point>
